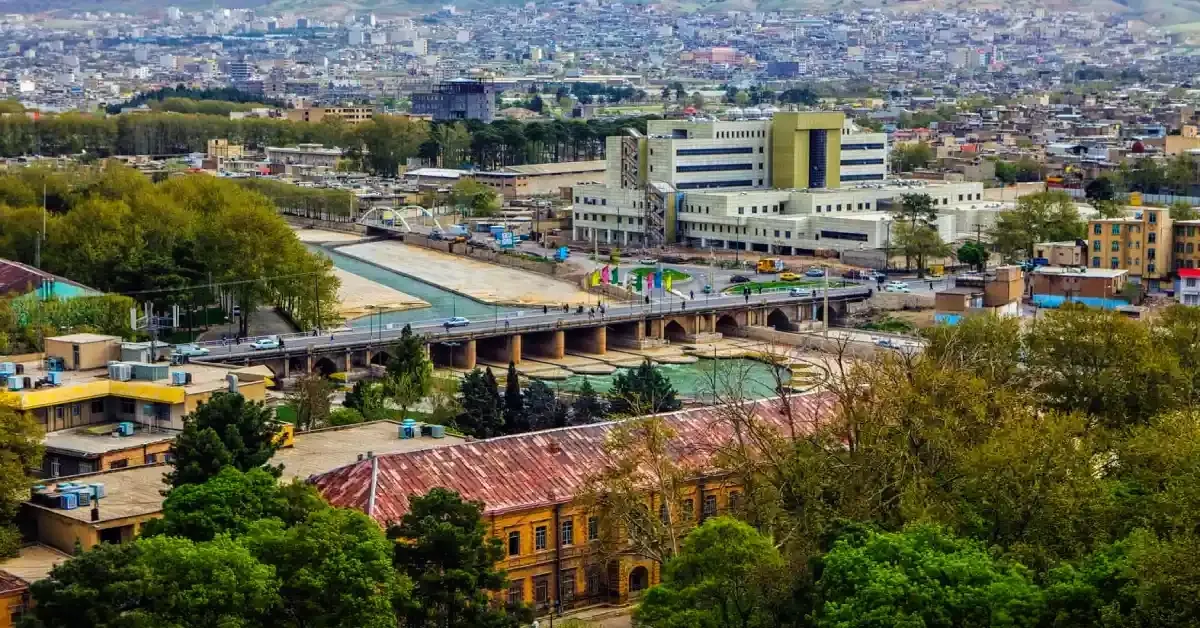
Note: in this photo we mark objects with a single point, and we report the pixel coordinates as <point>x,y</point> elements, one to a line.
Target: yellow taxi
<point>789,276</point>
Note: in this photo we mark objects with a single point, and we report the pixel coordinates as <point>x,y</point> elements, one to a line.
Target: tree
<point>724,577</point>
<point>640,461</point>
<point>973,254</point>
<point>444,548</point>
<point>230,503</point>
<point>477,197</point>
<point>515,420</point>
<point>1104,364</point>
<point>1108,209</point>
<point>1100,189</point>
<point>345,416</point>
<point>1042,217</point>
<point>311,401</point>
<point>390,141</point>
<point>909,157</point>
<point>409,371</point>
<point>588,407</point>
<point>368,399</point>
<point>543,408</point>
<point>20,453</point>
<point>158,581</point>
<point>536,104</point>
<point>482,410</point>
<point>642,390</point>
<point>335,569</point>
<point>226,430</point>
<point>916,230</point>
<point>923,576</point>
<point>1183,210</point>
<point>698,100</point>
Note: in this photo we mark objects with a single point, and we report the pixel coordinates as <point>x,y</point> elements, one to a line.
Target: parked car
<point>814,271</point>
<point>789,276</point>
<point>189,350</point>
<point>800,292</point>
<point>270,342</point>
<point>457,321</point>
<point>739,279</point>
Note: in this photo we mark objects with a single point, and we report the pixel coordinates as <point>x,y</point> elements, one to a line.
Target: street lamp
<point>887,247</point>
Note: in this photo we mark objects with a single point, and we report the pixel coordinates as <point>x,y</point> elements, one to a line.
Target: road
<point>520,321</point>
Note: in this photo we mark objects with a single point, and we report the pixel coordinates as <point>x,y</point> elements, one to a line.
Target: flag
<point>615,273</point>
<point>595,278</point>
<point>668,283</point>
<point>605,275</point>
<point>658,279</point>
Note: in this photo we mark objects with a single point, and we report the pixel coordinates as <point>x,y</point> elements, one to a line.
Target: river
<point>693,381</point>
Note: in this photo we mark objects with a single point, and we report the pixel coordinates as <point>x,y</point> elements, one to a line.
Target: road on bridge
<point>519,322</point>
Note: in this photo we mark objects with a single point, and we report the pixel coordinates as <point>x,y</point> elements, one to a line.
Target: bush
<point>345,416</point>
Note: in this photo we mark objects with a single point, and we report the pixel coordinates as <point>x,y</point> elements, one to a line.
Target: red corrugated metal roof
<point>1190,273</point>
<point>540,468</point>
<point>10,583</point>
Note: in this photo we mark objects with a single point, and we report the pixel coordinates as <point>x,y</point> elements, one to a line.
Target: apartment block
<point>350,115</point>
<point>1141,244</point>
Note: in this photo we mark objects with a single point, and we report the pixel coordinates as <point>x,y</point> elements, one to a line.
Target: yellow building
<point>350,115</point>
<point>81,405</point>
<point>1141,244</point>
<point>806,150</point>
<point>1186,249</point>
<point>222,150</point>
<point>530,485</point>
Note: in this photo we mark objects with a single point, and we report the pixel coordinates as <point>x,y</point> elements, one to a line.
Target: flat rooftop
<point>136,491</point>
<point>204,377</point>
<point>93,440</point>
<point>34,562</point>
<point>1079,272</point>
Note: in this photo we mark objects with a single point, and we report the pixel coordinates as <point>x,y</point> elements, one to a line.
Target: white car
<point>897,284</point>
<point>897,287</point>
<point>457,321</point>
<point>270,342</point>
<point>800,292</point>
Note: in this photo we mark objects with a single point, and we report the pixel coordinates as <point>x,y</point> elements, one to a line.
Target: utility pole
<point>37,250</point>
<point>826,316</point>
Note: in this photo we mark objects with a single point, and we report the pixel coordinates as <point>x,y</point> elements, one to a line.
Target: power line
<point>216,284</point>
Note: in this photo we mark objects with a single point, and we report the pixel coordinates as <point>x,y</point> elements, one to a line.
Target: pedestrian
<point>747,295</point>
<point>330,338</point>
<point>447,326</point>
<point>760,289</point>
<point>647,299</point>
<point>931,285</point>
<point>545,309</point>
<point>566,308</point>
<point>682,305</point>
<point>691,294</point>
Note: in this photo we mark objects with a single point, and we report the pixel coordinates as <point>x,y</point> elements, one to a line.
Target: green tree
<point>1109,209</point>
<point>368,399</point>
<point>515,419</point>
<point>470,194</point>
<point>921,242</point>
<point>543,409</point>
<point>1042,217</point>
<point>20,453</point>
<point>335,569</point>
<point>642,390</point>
<point>311,401</point>
<point>588,406</point>
<point>444,548</point>
<point>1183,210</point>
<point>159,581</point>
<point>909,157</point>
<point>724,576</point>
<point>409,371</point>
<point>227,430</point>
<point>1104,364</point>
<point>923,576</point>
<point>1100,189</point>
<point>229,503</point>
<point>390,141</point>
<point>973,254</point>
<point>345,416</point>
<point>482,409</point>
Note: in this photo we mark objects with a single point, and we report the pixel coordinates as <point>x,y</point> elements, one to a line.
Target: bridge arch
<point>778,320</point>
<point>674,331</point>
<point>727,325</point>
<point>325,367</point>
<point>381,358</point>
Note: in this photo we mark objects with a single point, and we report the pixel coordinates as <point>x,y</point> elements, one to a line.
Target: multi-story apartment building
<point>1186,245</point>
<point>559,550</point>
<point>795,183</point>
<point>1141,244</point>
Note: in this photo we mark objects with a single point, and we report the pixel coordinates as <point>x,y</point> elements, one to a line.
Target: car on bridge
<point>800,292</point>
<point>189,350</point>
<point>814,271</point>
<point>457,321</point>
<point>270,342</point>
<point>897,286</point>
<point>739,279</point>
<point>789,276</point>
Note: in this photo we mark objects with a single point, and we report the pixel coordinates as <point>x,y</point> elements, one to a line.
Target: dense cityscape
<point>599,315</point>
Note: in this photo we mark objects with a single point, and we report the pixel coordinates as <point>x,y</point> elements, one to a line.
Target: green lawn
<point>675,275</point>
<point>767,285</point>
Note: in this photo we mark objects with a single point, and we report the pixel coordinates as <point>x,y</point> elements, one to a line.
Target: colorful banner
<point>637,283</point>
<point>615,273</point>
<point>668,283</point>
<point>595,278</point>
<point>658,279</point>
<point>605,275</point>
